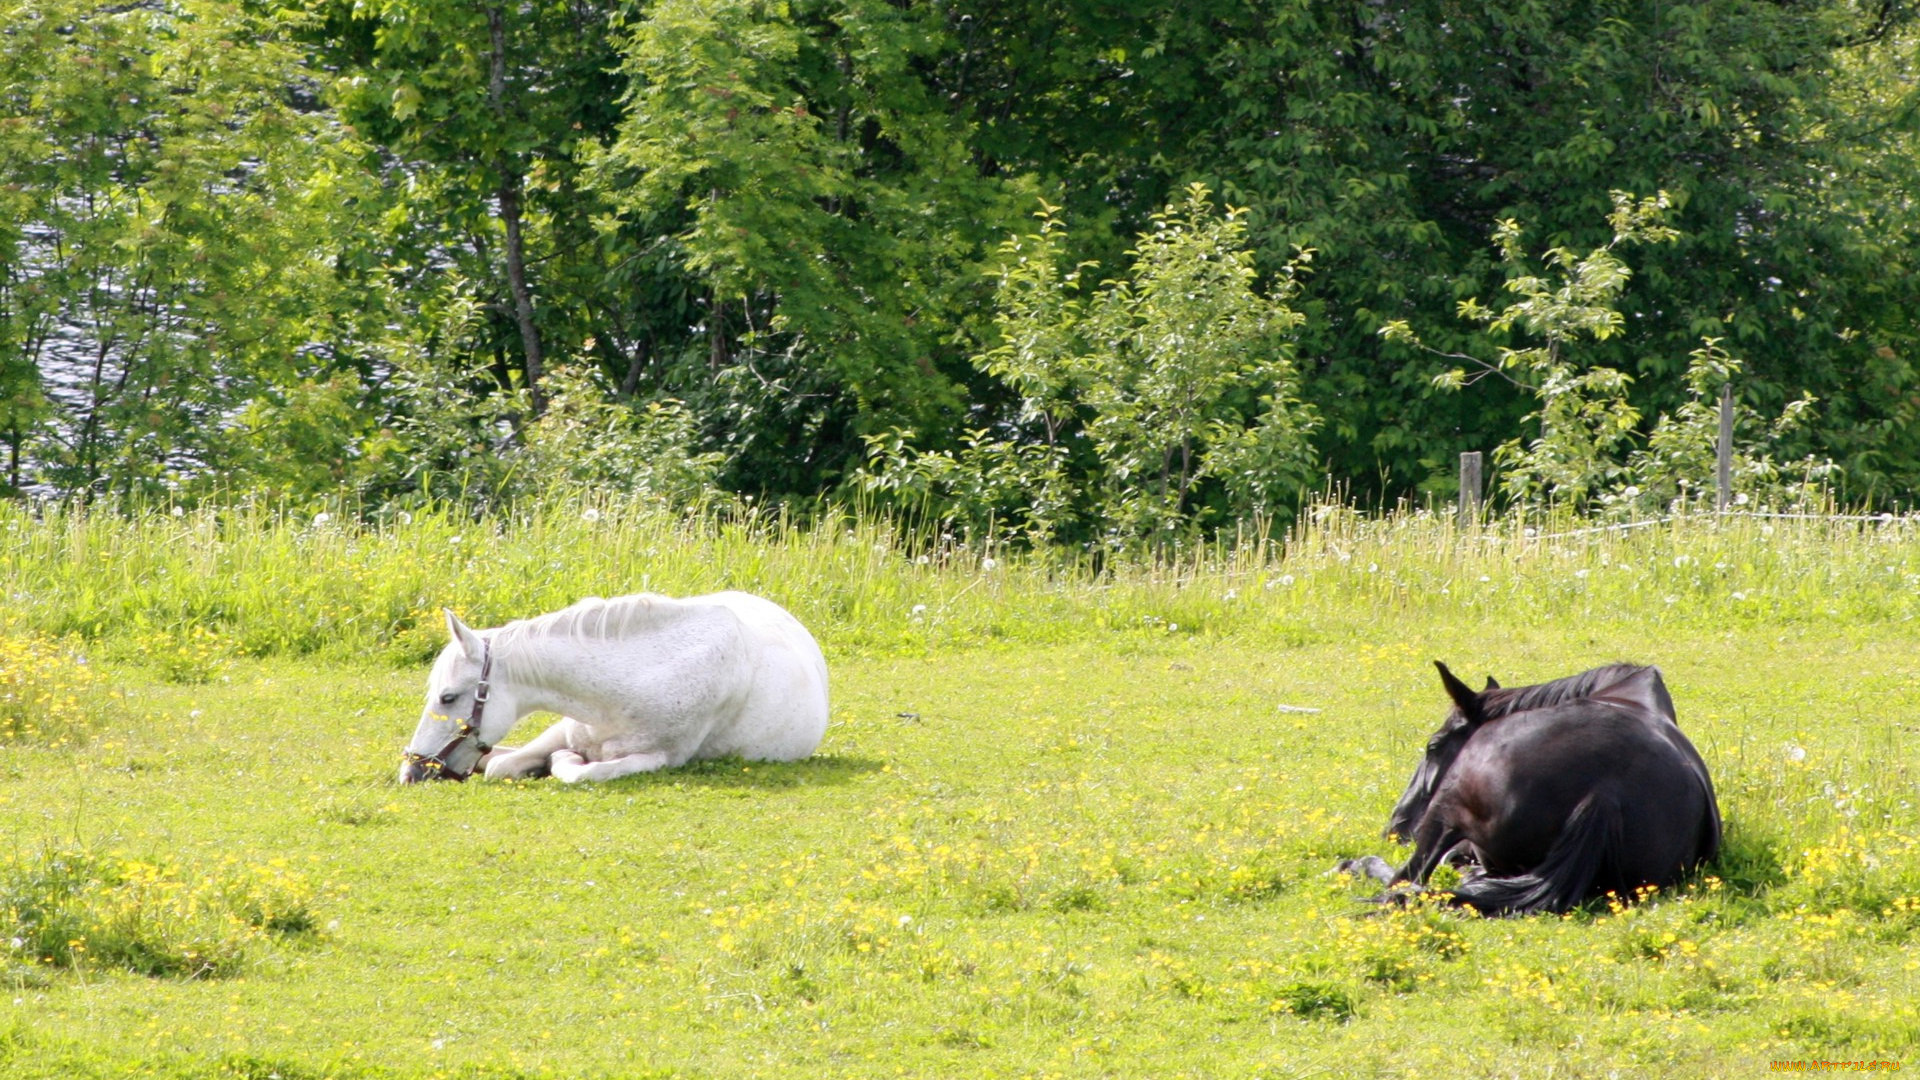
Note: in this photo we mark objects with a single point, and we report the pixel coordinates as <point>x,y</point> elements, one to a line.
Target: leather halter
<point>435,764</point>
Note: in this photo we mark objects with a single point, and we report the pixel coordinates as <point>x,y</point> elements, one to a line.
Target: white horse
<point>641,682</point>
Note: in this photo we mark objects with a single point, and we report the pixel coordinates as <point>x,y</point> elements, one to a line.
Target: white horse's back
<point>784,714</point>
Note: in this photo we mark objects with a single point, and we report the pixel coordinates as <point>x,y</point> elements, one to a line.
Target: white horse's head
<point>465,712</point>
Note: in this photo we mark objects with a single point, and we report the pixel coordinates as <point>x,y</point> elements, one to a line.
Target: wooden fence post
<point>1723,451</point>
<point>1470,488</point>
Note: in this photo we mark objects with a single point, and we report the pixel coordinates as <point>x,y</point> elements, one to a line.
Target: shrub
<point>71,908</point>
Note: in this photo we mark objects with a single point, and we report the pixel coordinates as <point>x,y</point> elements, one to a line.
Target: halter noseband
<point>436,763</point>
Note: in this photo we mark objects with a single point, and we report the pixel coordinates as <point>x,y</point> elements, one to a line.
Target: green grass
<point>1047,834</point>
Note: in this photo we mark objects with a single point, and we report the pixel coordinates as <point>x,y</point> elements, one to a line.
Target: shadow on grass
<point>1750,863</point>
<point>729,773</point>
<point>733,772</point>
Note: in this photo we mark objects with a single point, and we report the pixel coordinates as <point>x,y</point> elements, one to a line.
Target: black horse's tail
<point>1588,846</point>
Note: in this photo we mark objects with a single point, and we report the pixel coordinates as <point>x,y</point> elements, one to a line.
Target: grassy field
<point>1061,825</point>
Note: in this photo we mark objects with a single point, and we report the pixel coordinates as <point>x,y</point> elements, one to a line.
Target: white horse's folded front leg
<point>570,766</point>
<point>506,763</point>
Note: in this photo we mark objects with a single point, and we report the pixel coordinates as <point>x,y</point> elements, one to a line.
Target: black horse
<point>1547,795</point>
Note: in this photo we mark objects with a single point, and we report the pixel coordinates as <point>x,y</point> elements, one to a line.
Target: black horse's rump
<point>1552,794</point>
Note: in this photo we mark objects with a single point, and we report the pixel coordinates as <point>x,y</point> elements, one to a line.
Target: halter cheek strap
<point>469,728</point>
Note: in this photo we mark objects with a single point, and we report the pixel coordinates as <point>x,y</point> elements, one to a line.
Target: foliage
<point>463,438</point>
<point>1164,401</point>
<point>1584,455</point>
<point>1399,133</point>
<point>1583,414</point>
<point>220,224</point>
<point>1680,455</point>
<point>825,199</point>
<point>175,209</point>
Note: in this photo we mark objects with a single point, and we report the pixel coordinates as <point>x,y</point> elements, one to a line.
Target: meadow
<point>1065,822</point>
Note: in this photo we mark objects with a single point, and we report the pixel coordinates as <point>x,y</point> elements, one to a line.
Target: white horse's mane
<point>591,619</point>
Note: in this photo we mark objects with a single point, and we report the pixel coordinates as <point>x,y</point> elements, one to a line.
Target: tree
<point>168,255</point>
<point>1385,137</point>
<point>831,210</point>
<point>1584,455</point>
<point>483,110</point>
<point>1160,404</point>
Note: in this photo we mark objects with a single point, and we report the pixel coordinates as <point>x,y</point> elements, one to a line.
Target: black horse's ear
<point>1492,684</point>
<point>1462,695</point>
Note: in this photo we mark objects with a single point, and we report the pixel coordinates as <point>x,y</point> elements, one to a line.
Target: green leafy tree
<point>175,203</point>
<point>831,209</point>
<point>1161,403</point>
<point>1679,464</point>
<point>1583,413</point>
<point>1585,455</point>
<point>1385,137</point>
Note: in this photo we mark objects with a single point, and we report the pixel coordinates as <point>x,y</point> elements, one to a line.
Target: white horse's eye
<point>449,697</point>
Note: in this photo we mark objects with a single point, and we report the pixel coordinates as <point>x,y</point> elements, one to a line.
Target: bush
<point>73,909</point>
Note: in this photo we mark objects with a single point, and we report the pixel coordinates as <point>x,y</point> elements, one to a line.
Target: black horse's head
<point>1467,715</point>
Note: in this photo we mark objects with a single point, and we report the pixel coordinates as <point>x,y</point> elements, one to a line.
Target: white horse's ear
<point>469,641</point>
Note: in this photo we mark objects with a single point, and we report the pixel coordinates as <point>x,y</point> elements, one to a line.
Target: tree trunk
<point>509,195</point>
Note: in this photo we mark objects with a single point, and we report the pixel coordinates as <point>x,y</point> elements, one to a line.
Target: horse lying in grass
<point>642,682</point>
<point>1545,796</point>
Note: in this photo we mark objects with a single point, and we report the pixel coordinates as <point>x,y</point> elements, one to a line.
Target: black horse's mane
<point>1502,701</point>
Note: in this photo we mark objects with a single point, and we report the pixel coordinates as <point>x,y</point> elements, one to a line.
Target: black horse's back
<point>1559,792</point>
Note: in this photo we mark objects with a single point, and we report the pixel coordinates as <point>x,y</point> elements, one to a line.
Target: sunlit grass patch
<point>189,655</point>
<point>75,909</point>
